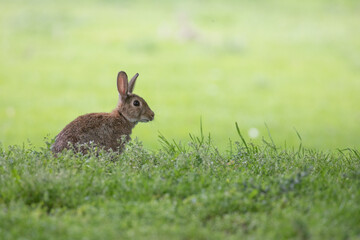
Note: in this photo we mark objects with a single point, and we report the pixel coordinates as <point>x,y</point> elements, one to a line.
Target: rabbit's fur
<point>107,130</point>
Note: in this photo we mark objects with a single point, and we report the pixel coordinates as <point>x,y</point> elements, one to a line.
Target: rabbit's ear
<point>122,84</point>
<point>132,83</point>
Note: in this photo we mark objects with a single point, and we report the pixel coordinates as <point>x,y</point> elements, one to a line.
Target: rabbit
<point>107,130</point>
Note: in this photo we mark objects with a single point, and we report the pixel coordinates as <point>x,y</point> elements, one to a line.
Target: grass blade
<point>241,136</point>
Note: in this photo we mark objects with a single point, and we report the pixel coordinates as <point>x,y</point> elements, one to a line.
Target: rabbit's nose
<point>152,115</point>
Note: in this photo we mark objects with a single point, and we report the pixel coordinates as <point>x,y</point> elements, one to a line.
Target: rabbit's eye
<point>136,103</point>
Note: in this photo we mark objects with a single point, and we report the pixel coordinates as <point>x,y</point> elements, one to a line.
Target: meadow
<point>187,191</point>
<point>286,72</point>
<point>294,66</point>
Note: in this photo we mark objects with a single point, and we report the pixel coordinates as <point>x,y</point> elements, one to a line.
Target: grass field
<point>287,64</point>
<point>288,72</point>
<point>181,192</point>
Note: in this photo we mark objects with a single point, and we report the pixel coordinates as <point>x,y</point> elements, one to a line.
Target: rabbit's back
<point>102,129</point>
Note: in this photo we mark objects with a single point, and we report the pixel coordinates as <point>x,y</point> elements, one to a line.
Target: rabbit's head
<point>131,106</point>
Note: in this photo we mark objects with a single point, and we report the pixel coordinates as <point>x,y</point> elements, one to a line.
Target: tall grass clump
<point>181,191</point>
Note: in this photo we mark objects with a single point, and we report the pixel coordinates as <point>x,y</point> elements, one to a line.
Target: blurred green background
<point>289,64</point>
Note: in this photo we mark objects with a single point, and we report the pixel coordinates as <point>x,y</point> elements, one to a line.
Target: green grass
<point>288,67</point>
<point>182,191</point>
<point>288,64</point>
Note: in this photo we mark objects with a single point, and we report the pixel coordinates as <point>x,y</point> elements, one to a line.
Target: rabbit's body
<point>102,129</point>
<point>106,130</point>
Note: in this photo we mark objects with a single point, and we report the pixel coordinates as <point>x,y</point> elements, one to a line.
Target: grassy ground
<point>289,64</point>
<point>180,192</point>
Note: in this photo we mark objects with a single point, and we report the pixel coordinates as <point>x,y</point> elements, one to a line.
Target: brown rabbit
<point>107,130</point>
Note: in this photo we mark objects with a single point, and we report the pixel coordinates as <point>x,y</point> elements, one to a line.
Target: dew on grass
<point>253,132</point>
